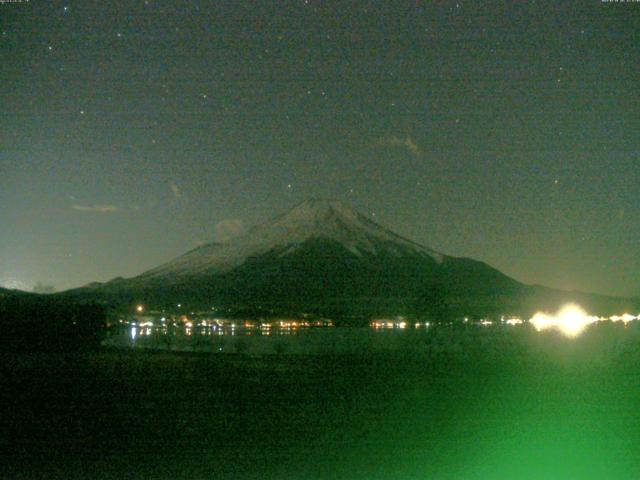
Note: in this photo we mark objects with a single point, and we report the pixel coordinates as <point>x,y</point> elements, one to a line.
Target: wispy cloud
<point>175,189</point>
<point>96,208</point>
<point>407,143</point>
<point>227,229</point>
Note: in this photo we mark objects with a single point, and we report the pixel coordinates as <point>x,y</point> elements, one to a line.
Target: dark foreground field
<point>534,409</point>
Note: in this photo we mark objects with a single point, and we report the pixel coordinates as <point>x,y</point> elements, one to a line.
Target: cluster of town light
<point>571,320</point>
<point>143,325</point>
<point>399,322</point>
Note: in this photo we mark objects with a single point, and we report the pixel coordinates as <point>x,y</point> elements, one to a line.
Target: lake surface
<point>461,340</point>
<point>270,340</point>
<point>442,403</point>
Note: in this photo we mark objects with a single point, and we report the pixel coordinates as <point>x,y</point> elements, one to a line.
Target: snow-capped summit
<point>313,219</point>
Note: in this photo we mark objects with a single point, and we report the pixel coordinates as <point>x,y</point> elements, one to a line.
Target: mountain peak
<point>317,203</point>
<point>320,207</point>
<point>313,219</point>
<point>318,211</point>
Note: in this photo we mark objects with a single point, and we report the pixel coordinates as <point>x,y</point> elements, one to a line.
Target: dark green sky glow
<point>502,131</point>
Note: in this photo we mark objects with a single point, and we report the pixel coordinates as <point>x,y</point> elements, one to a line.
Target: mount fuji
<point>323,257</point>
<point>289,235</point>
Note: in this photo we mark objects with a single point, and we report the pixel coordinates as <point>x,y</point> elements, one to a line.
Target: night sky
<point>132,131</point>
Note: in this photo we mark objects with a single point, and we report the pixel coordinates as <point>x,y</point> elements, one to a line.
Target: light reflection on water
<point>462,339</point>
<point>259,338</point>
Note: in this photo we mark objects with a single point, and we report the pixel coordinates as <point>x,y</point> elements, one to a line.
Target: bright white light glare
<point>571,320</point>
<point>625,318</point>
